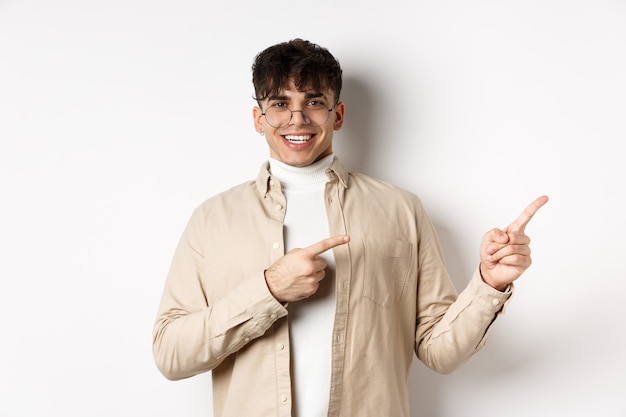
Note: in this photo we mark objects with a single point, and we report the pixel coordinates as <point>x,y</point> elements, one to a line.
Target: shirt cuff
<point>487,297</point>
<point>257,298</point>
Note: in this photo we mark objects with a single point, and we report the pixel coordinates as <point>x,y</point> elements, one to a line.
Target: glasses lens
<point>314,115</point>
<point>278,116</point>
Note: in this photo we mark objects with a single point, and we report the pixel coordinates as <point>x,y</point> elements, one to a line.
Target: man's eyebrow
<point>278,97</point>
<point>282,97</point>
<point>315,95</point>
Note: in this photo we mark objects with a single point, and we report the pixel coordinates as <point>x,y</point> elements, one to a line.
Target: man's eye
<point>315,103</point>
<point>279,105</point>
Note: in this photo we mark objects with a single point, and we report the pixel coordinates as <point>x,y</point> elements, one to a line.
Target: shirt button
<point>283,398</point>
<point>279,207</point>
<point>495,302</point>
<point>280,346</point>
<point>276,245</point>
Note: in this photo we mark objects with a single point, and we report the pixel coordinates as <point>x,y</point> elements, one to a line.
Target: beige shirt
<point>393,293</point>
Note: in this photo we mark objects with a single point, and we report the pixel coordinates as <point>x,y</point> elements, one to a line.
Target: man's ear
<point>257,116</point>
<point>339,113</point>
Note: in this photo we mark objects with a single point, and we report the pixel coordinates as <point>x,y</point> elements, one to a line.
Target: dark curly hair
<point>308,64</point>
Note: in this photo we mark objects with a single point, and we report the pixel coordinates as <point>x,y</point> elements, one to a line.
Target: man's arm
<point>192,336</point>
<point>452,329</point>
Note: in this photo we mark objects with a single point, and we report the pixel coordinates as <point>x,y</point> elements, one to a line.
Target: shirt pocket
<point>386,269</point>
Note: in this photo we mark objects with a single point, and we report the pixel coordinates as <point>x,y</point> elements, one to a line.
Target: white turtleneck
<point>310,320</point>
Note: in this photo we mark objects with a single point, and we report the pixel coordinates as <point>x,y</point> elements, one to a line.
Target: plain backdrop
<point>119,117</point>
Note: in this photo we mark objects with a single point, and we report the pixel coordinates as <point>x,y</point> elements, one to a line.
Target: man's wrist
<point>498,287</point>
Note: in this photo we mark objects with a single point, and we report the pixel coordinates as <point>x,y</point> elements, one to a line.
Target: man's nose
<point>302,119</point>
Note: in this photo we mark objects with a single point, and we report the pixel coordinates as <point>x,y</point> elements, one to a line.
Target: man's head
<point>297,86</point>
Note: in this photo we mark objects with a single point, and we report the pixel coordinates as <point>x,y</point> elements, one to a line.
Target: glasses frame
<point>291,112</point>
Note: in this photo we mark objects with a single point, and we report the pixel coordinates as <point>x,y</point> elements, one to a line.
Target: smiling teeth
<point>298,139</point>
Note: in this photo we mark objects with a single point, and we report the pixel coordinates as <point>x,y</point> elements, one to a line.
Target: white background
<point>118,117</point>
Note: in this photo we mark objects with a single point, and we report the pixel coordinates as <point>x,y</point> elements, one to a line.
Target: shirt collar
<point>336,170</point>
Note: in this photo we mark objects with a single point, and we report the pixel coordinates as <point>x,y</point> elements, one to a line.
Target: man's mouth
<point>298,138</point>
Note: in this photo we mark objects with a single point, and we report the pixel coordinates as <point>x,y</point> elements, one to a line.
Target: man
<point>288,326</point>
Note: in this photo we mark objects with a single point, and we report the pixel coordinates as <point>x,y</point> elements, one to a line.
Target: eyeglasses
<point>314,113</point>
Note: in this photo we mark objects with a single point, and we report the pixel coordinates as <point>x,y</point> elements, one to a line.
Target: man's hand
<point>297,274</point>
<point>505,254</point>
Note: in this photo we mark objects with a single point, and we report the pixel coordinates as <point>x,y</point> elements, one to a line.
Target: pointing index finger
<point>326,244</point>
<point>522,220</point>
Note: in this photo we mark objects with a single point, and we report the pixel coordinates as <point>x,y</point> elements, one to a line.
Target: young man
<point>288,326</point>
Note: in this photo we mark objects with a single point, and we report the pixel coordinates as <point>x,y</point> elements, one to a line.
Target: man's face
<point>299,142</point>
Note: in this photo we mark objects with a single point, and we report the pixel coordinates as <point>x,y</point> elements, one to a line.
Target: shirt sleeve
<point>464,328</point>
<point>451,328</point>
<point>192,335</point>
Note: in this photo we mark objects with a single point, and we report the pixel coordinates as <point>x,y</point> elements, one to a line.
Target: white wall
<point>118,117</point>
